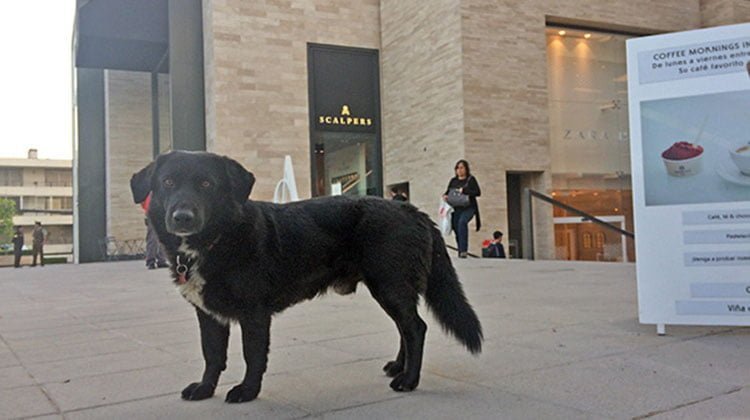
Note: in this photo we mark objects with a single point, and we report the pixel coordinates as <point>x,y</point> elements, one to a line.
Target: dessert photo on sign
<point>696,149</point>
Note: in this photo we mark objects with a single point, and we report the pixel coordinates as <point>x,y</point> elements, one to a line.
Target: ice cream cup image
<point>741,158</point>
<point>683,159</point>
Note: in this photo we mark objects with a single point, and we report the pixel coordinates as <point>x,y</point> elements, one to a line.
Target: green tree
<point>7,211</point>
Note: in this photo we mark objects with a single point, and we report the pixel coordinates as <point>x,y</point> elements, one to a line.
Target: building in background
<point>366,95</point>
<point>43,191</point>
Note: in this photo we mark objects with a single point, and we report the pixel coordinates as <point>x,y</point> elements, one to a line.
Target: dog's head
<point>190,191</point>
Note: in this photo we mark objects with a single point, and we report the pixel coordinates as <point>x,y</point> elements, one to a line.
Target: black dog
<point>240,260</point>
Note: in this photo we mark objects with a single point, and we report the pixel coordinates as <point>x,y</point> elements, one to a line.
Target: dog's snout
<point>183,216</point>
<point>184,220</point>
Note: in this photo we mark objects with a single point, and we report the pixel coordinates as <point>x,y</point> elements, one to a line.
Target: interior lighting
<point>587,36</point>
<point>561,33</point>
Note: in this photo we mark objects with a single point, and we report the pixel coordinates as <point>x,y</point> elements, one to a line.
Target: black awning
<point>122,35</point>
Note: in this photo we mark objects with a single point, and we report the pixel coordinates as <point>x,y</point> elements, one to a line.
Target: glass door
<point>345,164</point>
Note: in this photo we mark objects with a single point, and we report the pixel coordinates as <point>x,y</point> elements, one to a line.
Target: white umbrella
<point>286,188</point>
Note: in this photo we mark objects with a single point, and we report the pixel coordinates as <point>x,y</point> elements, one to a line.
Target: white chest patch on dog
<point>186,250</point>
<point>192,289</point>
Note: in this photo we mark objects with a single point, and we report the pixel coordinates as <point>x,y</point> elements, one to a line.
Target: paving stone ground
<point>115,341</point>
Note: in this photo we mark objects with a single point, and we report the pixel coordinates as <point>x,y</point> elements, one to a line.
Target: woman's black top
<point>471,188</point>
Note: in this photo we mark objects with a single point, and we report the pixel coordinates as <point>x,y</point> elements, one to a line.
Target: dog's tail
<point>446,298</point>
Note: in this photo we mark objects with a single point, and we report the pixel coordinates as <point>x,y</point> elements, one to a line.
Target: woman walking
<point>462,192</point>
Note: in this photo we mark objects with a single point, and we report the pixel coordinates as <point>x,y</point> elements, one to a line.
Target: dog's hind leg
<point>214,338</point>
<point>255,342</point>
<point>394,367</point>
<point>403,310</point>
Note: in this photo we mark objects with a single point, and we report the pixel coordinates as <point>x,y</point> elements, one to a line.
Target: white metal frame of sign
<point>689,99</point>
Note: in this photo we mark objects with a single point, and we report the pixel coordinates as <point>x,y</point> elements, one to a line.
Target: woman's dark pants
<point>17,253</point>
<point>460,224</point>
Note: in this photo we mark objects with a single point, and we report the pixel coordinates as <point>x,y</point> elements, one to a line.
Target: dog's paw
<point>403,383</point>
<point>198,391</point>
<point>393,368</point>
<point>242,393</point>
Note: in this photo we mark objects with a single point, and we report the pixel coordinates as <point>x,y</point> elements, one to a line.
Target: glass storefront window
<point>346,164</point>
<point>35,203</point>
<point>11,177</point>
<point>58,178</point>
<point>62,203</point>
<point>57,234</point>
<point>589,140</point>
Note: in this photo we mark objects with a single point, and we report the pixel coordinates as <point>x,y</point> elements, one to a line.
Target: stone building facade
<point>458,79</point>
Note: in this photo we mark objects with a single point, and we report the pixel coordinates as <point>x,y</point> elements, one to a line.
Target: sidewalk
<point>115,341</point>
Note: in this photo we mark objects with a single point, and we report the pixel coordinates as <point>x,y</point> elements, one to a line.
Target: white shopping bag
<point>445,213</point>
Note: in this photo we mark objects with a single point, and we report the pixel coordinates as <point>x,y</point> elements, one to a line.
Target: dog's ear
<point>240,179</point>
<point>140,183</point>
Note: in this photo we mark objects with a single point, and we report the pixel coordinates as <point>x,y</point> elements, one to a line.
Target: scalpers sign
<point>345,119</point>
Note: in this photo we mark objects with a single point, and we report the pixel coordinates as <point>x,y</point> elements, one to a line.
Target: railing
<point>528,222</point>
<point>114,249</point>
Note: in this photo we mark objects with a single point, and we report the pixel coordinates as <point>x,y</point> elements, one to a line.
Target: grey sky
<point>36,107</point>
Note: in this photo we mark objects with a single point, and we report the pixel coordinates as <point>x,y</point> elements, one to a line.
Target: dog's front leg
<point>214,338</point>
<point>255,341</point>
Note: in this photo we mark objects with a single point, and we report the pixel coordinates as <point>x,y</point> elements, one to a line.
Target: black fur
<point>259,258</point>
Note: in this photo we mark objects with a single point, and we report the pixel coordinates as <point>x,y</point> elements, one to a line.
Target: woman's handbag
<point>457,199</point>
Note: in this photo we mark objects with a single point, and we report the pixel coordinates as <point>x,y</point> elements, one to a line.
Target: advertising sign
<point>344,88</point>
<point>689,100</point>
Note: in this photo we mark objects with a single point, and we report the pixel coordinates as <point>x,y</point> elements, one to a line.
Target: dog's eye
<point>169,183</point>
<point>206,184</point>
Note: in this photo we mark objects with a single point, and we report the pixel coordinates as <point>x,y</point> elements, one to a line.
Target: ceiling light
<point>587,36</point>
<point>561,33</point>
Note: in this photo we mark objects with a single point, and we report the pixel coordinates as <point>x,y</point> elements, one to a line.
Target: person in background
<point>466,184</point>
<point>39,238</point>
<point>154,252</point>
<point>397,195</point>
<point>17,246</point>
<point>494,248</point>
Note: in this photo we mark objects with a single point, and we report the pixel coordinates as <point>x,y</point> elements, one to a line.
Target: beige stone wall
<point>742,11</point>
<point>129,148</point>
<point>165,114</point>
<point>724,12</point>
<point>256,77</point>
<point>716,12</point>
<point>505,92</point>
<point>422,96</point>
